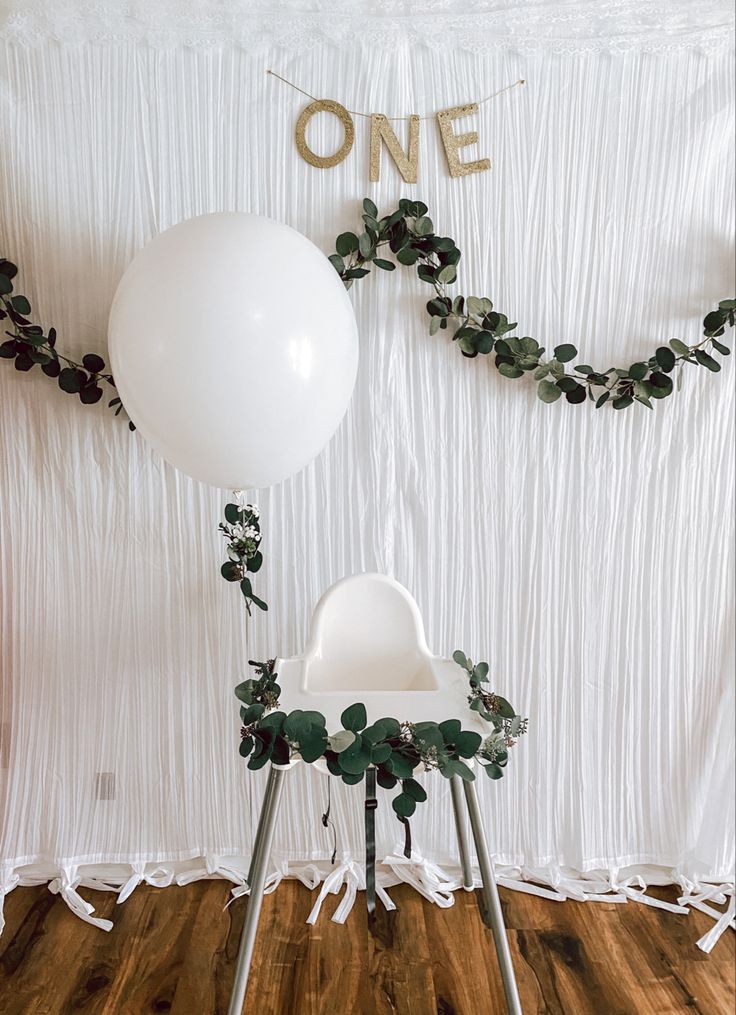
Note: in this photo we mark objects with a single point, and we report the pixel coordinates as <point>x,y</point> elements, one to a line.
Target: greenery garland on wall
<point>395,748</point>
<point>476,326</point>
<point>478,329</point>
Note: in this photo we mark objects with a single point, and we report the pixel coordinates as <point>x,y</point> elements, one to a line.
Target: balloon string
<point>354,112</point>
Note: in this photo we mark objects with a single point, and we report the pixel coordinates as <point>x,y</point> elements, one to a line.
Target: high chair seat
<point>367,644</point>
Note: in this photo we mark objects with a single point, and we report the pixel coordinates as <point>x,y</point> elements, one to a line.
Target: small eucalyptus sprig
<point>478,329</point>
<point>29,346</point>
<point>396,749</point>
<point>242,530</point>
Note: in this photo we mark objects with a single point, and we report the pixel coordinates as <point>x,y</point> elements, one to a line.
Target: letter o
<point>326,106</point>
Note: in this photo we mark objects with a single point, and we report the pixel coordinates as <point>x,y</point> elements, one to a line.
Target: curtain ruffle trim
<point>612,26</point>
<point>434,883</point>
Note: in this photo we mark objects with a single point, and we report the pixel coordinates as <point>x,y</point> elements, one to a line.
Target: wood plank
<point>174,950</point>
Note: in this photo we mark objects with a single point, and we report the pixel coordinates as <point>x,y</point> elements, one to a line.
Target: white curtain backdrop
<point>587,555</point>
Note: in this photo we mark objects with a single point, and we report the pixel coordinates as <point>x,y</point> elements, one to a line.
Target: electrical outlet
<point>105,785</point>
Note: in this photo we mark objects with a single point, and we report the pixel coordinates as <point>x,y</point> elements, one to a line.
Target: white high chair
<point>367,644</point>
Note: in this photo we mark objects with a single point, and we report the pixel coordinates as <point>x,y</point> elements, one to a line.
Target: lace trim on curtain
<point>477,25</point>
<point>437,885</point>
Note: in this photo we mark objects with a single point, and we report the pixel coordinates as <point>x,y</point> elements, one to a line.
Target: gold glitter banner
<point>383,135</point>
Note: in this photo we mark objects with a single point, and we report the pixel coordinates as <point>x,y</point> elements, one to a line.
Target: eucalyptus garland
<point>30,345</point>
<point>479,329</point>
<point>242,530</point>
<point>475,325</point>
<point>395,748</point>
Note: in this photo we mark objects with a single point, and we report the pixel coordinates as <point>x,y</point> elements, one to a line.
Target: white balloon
<point>234,348</point>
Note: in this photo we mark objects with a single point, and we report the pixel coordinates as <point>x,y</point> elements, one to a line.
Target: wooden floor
<point>173,950</point>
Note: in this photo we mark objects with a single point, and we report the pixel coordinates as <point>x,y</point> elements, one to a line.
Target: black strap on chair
<point>370,838</point>
<point>327,823</point>
<point>407,838</point>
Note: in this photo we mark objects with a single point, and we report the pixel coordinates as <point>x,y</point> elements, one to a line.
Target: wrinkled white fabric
<point>587,555</point>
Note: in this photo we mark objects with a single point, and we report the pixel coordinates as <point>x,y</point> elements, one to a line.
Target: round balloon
<point>234,348</point>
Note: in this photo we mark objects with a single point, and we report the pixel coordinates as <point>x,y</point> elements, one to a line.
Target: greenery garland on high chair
<point>396,748</point>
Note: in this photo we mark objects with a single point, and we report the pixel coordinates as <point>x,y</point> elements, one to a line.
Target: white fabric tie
<point>425,877</point>
<point>66,886</point>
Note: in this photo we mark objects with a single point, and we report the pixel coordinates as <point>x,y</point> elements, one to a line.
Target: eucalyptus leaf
<point>354,717</point>
<point>341,740</point>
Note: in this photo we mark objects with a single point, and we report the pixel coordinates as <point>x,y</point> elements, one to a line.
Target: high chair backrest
<point>367,634</point>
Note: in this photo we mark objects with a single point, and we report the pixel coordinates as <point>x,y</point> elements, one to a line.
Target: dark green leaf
<point>312,745</point>
<point>258,602</point>
<point>576,395</point>
<point>666,358</point>
<point>467,743</point>
<point>23,362</point>
<point>281,753</point>
<point>380,753</point>
<point>232,513</point>
<point>399,765</point>
<point>337,263</point>
<point>386,265</point>
<point>454,767</point>
<point>702,357</point>
<point>509,370</point>
<point>346,243</point>
<point>355,759</point>
<point>254,563</point>
<point>69,380</point>
<point>415,790</point>
<point>385,779</point>
<point>90,394</point>
<point>354,717</point>
<point>450,729</point>
<point>230,571</point>
<point>92,362</point>
<point>408,256</point>
<point>404,805</point>
<point>484,342</point>
<point>52,369</point>
<point>713,322</point>
<point>548,392</point>
<point>638,371</point>
<point>565,353</point>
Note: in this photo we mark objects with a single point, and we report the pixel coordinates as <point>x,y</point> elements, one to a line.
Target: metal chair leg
<point>259,830</point>
<point>256,880</point>
<point>493,903</point>
<point>462,837</point>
